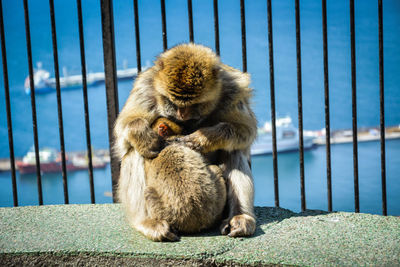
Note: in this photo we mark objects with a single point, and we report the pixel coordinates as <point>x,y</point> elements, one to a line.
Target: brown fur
<point>186,77</point>
<point>211,101</point>
<point>183,192</point>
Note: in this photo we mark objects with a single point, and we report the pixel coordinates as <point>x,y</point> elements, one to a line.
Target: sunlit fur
<point>182,189</point>
<point>189,77</point>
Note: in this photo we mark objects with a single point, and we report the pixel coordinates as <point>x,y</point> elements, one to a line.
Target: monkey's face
<point>194,112</point>
<point>187,80</point>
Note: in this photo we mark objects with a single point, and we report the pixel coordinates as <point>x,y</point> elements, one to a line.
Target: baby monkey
<point>183,191</point>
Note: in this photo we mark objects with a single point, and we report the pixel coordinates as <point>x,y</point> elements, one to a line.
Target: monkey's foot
<point>239,225</point>
<point>157,230</point>
<point>163,130</point>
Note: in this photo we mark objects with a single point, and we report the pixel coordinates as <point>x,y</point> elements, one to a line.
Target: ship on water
<point>50,161</point>
<point>287,138</point>
<point>44,84</point>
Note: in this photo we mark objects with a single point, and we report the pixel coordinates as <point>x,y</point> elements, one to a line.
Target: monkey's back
<point>184,190</point>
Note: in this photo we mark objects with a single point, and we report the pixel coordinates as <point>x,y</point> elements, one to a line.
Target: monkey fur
<point>182,189</point>
<point>188,84</point>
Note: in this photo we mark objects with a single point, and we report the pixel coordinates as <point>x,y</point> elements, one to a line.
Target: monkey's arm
<point>135,133</point>
<point>132,129</point>
<point>236,130</point>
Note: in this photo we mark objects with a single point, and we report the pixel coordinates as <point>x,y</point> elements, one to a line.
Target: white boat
<point>41,81</point>
<point>287,138</point>
<point>44,84</point>
<point>46,155</point>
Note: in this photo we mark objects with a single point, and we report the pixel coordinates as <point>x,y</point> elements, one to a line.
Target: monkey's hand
<point>239,225</point>
<point>193,141</point>
<point>224,135</point>
<point>147,142</point>
<point>209,139</point>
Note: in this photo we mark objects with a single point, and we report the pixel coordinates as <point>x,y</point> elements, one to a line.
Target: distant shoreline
<point>368,134</point>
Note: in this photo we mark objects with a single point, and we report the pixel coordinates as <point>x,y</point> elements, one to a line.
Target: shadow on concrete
<point>267,215</point>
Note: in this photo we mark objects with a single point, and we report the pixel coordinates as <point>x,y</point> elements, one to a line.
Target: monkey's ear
<point>160,63</point>
<point>216,70</point>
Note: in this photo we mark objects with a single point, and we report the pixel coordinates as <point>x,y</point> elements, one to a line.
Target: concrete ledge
<point>98,234</point>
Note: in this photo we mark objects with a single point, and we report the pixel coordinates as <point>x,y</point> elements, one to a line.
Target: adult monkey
<point>188,84</point>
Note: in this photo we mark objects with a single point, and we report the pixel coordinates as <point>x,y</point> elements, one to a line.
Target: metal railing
<point>112,91</point>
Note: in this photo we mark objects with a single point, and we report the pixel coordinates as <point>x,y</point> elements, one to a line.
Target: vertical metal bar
<point>190,15</point>
<point>243,26</point>
<point>85,101</point>
<point>33,102</point>
<point>59,105</point>
<point>164,25</point>
<point>8,106</point>
<point>272,90</point>
<point>354,107</point>
<point>382,109</point>
<point>216,27</point>
<point>137,35</point>
<point>327,119</point>
<point>300,107</point>
<point>110,69</point>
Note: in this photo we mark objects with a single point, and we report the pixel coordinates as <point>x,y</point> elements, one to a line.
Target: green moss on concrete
<point>84,233</point>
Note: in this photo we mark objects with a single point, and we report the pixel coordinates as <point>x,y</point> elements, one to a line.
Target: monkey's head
<point>187,80</point>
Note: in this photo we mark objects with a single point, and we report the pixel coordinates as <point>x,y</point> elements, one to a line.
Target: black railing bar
<point>137,35</point>
<point>8,107</point>
<point>327,119</point>
<point>300,106</point>
<point>354,107</point>
<point>110,69</point>
<point>85,101</point>
<point>273,112</point>
<point>382,109</point>
<point>190,17</point>
<point>243,26</point>
<point>59,104</point>
<point>216,27</point>
<point>33,102</point>
<point>164,25</point>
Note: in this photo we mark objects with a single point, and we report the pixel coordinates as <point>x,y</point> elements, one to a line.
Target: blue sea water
<point>366,17</point>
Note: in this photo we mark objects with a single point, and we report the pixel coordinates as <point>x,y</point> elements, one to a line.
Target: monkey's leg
<point>216,170</point>
<point>241,220</point>
<point>154,226</point>
<point>156,230</point>
<point>220,186</point>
